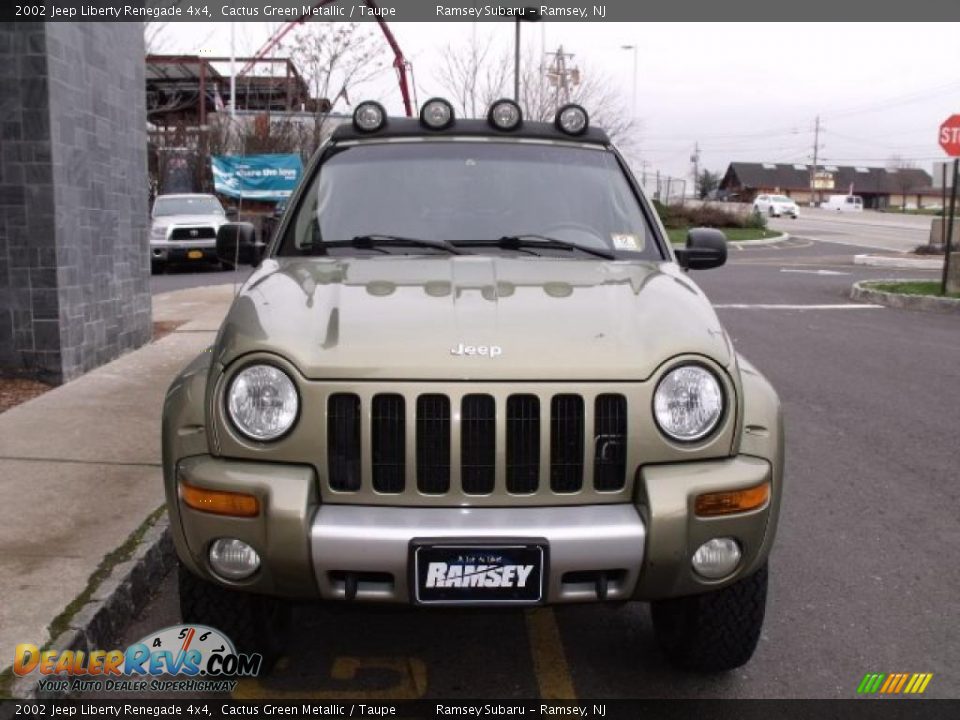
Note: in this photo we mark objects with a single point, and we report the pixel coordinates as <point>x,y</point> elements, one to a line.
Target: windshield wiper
<point>532,240</point>
<point>374,241</point>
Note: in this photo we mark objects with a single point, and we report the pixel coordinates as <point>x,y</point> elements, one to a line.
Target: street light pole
<point>634,94</point>
<point>516,60</point>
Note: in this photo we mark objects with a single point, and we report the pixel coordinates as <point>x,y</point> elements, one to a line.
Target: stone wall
<point>74,263</point>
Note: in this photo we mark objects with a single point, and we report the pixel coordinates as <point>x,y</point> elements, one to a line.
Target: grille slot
<point>202,233</point>
<point>387,440</point>
<point>523,444</point>
<point>343,441</point>
<point>478,443</point>
<point>433,444</point>
<point>610,439</point>
<point>566,443</point>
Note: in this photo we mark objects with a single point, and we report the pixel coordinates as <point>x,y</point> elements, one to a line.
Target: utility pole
<point>813,168</point>
<point>695,159</point>
<point>561,76</point>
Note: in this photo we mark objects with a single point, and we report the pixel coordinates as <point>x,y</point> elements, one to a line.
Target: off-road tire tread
<point>716,631</point>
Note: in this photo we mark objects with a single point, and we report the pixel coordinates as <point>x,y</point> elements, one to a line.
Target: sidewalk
<point>80,468</point>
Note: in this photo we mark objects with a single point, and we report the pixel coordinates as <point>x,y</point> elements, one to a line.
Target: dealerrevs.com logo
<point>180,658</point>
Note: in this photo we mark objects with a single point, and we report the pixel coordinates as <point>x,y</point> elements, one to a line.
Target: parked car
<point>472,371</point>
<point>843,203</point>
<point>776,205</point>
<point>184,229</point>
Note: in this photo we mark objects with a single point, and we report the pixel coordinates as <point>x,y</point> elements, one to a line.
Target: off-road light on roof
<point>369,116</point>
<point>572,119</point>
<point>505,115</point>
<point>436,114</point>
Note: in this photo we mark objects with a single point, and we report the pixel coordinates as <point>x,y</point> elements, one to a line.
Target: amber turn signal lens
<point>219,502</point>
<point>734,501</point>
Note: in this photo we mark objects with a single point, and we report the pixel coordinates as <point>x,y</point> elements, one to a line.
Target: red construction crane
<point>399,62</point>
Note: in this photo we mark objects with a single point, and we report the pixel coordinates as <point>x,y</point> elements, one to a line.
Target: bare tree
<point>335,58</point>
<point>475,74</point>
<point>153,42</point>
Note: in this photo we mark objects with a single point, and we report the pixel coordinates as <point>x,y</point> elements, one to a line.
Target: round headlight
<point>369,116</point>
<point>717,558</point>
<point>505,115</point>
<point>262,402</point>
<point>436,114</point>
<point>688,403</point>
<point>572,119</point>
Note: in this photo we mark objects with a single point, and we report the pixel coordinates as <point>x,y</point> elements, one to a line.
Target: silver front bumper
<point>372,544</point>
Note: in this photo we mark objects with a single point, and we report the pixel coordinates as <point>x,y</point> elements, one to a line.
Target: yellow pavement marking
<point>926,681</point>
<point>411,671</point>
<point>549,661</point>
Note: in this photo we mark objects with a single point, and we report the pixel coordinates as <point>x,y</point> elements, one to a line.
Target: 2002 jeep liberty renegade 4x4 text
<point>470,370</point>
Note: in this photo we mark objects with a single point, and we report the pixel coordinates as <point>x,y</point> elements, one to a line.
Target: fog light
<point>436,114</point>
<point>233,559</point>
<point>717,558</point>
<point>369,116</point>
<point>505,115</point>
<point>572,119</point>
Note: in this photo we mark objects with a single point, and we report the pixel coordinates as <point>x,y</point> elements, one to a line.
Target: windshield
<point>469,192</point>
<point>201,205</point>
<point>781,198</point>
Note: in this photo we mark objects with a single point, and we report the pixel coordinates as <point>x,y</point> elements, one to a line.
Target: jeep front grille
<point>467,445</point>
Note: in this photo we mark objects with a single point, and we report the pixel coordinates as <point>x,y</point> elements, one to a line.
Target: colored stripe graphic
<point>894,683</point>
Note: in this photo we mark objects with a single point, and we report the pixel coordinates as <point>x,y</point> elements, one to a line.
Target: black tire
<point>714,632</point>
<point>255,623</point>
<point>772,213</point>
<point>226,266</point>
<point>157,268</point>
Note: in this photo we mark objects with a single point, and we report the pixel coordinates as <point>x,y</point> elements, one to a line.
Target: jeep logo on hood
<point>490,351</point>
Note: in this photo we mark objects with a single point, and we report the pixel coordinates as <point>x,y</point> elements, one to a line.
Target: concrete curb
<point>902,263</point>
<point>741,244</point>
<point>863,293</point>
<point>115,602</point>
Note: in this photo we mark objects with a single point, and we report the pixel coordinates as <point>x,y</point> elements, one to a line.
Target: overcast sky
<point>743,91</point>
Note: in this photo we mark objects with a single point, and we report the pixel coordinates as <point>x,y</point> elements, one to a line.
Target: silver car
<point>184,229</point>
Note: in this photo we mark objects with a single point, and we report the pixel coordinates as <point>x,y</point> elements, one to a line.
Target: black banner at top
<point>475,10</point>
<point>501,709</point>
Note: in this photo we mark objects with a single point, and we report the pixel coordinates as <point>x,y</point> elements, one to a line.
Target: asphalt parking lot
<point>864,576</point>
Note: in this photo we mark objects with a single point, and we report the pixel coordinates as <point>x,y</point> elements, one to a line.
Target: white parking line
<point>814,272</point>
<point>772,306</point>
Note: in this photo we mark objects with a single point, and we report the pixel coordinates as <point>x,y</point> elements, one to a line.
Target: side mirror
<point>237,244</point>
<point>706,248</point>
<point>232,213</point>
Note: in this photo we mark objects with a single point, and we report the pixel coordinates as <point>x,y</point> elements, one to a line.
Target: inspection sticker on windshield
<point>625,241</point>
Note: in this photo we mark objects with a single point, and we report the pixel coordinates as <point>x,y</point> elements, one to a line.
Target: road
<point>864,575</point>
<point>889,232</point>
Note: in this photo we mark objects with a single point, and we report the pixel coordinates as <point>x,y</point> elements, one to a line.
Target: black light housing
<point>572,119</point>
<point>436,114</point>
<point>369,116</point>
<point>505,114</point>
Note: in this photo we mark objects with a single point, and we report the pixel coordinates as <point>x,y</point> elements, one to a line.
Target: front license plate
<point>464,573</point>
<point>195,254</point>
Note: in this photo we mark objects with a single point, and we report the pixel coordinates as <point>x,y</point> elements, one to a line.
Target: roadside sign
<point>942,175</point>
<point>950,136</point>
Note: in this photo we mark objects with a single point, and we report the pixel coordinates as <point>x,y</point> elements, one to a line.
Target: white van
<point>843,203</point>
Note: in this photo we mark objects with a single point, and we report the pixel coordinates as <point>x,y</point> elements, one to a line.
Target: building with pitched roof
<point>879,187</point>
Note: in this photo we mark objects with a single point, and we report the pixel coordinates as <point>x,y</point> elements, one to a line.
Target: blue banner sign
<point>256,177</point>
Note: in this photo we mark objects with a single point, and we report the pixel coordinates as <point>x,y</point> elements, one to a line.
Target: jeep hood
<point>399,318</point>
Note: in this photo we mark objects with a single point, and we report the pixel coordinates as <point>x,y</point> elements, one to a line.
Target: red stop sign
<point>950,135</point>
